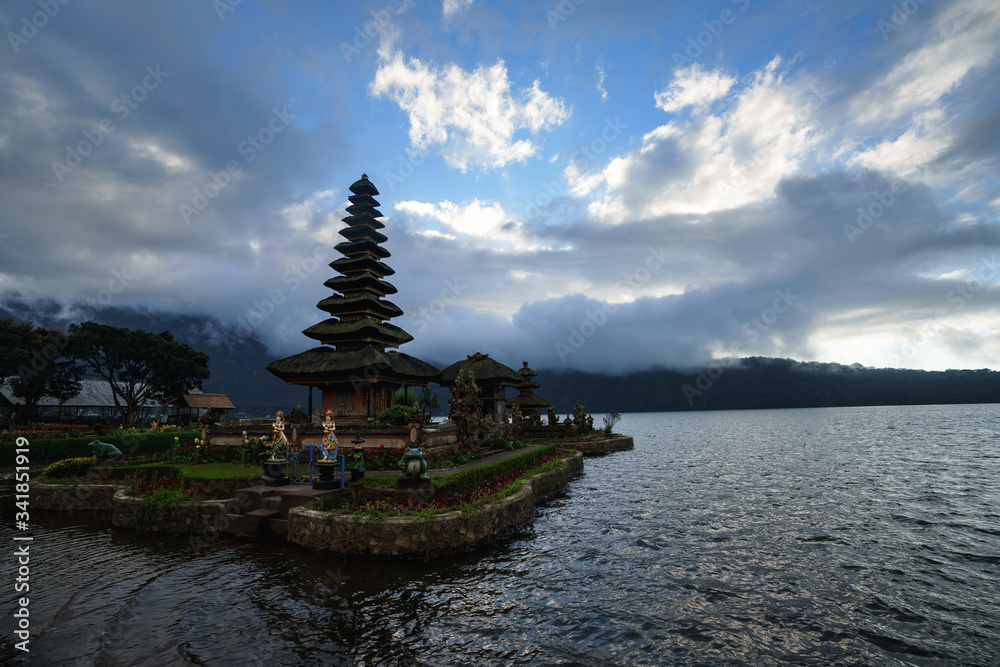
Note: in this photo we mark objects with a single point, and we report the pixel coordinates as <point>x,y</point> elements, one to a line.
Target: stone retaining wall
<point>387,436</point>
<point>443,534</point>
<point>596,447</point>
<point>406,537</point>
<point>68,497</point>
<point>185,517</point>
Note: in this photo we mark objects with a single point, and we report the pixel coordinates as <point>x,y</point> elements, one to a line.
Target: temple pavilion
<point>352,367</point>
<point>491,377</point>
<point>531,406</point>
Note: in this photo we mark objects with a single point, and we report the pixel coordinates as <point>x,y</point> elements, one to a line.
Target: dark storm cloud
<point>834,249</point>
<point>791,267</point>
<point>147,93</point>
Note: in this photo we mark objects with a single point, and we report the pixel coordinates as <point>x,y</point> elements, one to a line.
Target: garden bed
<point>213,479</point>
<point>461,511</point>
<point>424,527</point>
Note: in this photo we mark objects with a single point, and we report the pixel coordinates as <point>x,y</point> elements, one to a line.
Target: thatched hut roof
<point>483,369</point>
<point>199,401</point>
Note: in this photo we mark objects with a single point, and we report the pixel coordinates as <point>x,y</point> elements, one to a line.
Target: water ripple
<point>811,537</point>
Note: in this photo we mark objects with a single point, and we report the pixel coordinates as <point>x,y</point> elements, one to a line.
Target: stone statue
<point>104,452</point>
<point>413,464</point>
<point>330,443</point>
<point>279,441</point>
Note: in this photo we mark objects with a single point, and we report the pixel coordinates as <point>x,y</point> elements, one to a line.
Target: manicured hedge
<point>136,444</point>
<point>471,479</point>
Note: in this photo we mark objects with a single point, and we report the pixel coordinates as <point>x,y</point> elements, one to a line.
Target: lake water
<point>858,536</point>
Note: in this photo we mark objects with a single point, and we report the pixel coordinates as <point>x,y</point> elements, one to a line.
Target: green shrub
<point>136,473</point>
<point>610,420</point>
<point>252,451</point>
<point>382,481</point>
<point>63,448</point>
<point>75,467</point>
<point>157,505</point>
<point>465,481</point>
<point>397,415</point>
<point>407,397</point>
<point>138,444</point>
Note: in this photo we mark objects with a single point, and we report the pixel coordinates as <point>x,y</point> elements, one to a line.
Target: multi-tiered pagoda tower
<point>353,369</point>
<point>531,406</point>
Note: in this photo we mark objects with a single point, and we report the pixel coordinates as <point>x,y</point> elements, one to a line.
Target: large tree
<point>16,345</point>
<point>38,365</point>
<point>139,366</point>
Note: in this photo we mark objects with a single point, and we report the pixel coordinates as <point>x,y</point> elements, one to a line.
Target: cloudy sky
<point>581,184</point>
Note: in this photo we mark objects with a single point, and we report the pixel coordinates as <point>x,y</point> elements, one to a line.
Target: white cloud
<point>713,161</point>
<point>152,150</point>
<point>581,183</point>
<point>473,116</point>
<point>452,7</point>
<point>963,37</point>
<point>480,224</point>
<point>314,207</point>
<point>693,87</point>
<point>911,151</point>
<point>601,74</point>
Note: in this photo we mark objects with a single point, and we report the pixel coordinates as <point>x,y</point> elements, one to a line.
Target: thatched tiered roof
<point>527,401</point>
<point>357,330</point>
<point>483,369</point>
<point>323,364</point>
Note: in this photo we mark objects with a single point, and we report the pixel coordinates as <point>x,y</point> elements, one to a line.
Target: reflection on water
<point>850,536</point>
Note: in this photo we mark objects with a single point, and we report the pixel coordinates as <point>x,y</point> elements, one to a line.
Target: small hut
<point>531,406</point>
<point>491,377</point>
<point>194,404</point>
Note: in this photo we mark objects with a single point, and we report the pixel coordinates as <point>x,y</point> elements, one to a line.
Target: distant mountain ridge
<point>760,382</point>
<point>237,369</point>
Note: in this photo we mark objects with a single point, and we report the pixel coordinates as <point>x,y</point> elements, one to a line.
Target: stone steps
<point>276,527</point>
<point>249,523</point>
<point>270,506</point>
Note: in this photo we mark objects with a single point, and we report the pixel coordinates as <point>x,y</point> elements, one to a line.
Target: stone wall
<point>69,497</point>
<point>387,436</point>
<point>443,534</point>
<point>616,443</point>
<point>185,517</point>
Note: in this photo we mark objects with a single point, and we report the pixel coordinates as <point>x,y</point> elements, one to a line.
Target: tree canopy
<point>139,366</point>
<point>16,346</point>
<point>39,366</point>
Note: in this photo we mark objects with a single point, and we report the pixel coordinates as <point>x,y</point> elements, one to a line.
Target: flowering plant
<point>188,452</point>
<point>383,458</point>
<point>45,432</point>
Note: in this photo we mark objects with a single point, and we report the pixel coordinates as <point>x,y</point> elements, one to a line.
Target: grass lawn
<point>205,470</point>
<point>217,470</point>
